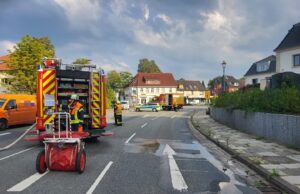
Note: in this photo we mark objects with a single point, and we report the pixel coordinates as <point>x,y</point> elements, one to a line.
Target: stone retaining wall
<point>281,128</point>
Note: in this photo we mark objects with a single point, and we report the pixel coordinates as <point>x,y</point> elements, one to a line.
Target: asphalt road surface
<point>153,152</point>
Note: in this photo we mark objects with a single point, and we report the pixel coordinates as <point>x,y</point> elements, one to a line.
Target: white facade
<point>285,60</point>
<point>259,77</point>
<point>143,94</point>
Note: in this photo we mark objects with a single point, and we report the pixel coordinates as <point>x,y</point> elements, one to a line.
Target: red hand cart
<point>64,151</point>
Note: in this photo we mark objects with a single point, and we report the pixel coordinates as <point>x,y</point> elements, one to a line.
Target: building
<point>261,71</point>
<point>3,75</point>
<point>193,91</point>
<point>145,86</point>
<point>288,52</point>
<point>231,85</point>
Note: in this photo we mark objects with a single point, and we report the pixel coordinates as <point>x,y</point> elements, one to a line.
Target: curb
<point>279,182</point>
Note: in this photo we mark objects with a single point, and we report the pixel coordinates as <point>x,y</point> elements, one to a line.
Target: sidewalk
<point>279,164</point>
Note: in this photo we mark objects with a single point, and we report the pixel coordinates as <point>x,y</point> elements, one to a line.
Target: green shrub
<point>282,100</point>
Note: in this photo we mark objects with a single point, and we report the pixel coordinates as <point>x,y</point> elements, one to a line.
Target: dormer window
<point>152,81</point>
<point>263,66</point>
<point>180,86</point>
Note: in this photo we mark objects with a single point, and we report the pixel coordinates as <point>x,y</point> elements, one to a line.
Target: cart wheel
<point>41,166</point>
<point>80,161</point>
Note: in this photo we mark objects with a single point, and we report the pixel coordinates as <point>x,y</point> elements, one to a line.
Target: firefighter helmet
<point>74,97</point>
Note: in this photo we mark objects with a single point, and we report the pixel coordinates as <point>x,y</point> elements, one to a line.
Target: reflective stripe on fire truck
<point>95,100</point>
<point>49,87</point>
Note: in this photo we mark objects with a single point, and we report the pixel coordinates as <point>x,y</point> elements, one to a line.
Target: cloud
<point>150,38</point>
<point>164,18</point>
<point>80,13</point>
<point>6,45</point>
<point>146,12</point>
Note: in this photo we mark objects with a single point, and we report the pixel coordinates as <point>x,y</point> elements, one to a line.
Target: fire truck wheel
<point>80,161</point>
<point>41,166</point>
<point>3,124</point>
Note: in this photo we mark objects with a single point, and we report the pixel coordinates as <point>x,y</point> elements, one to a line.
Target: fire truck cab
<point>57,82</point>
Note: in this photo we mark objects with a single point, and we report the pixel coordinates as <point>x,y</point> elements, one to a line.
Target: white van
<point>125,105</point>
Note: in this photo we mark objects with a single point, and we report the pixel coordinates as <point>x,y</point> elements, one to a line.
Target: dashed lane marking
<point>144,125</point>
<point>127,141</point>
<point>154,118</point>
<point>20,152</point>
<point>2,134</point>
<point>99,178</point>
<point>27,182</point>
<point>173,116</point>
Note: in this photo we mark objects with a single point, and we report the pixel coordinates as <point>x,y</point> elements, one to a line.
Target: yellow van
<point>16,109</point>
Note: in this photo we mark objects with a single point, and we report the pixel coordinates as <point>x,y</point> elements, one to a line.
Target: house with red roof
<point>145,86</point>
<point>3,75</point>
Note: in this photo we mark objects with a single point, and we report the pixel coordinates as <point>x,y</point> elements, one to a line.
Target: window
<point>263,66</point>
<point>157,90</point>
<point>11,105</point>
<point>297,60</point>
<point>181,86</point>
<point>2,101</point>
<point>152,90</point>
<point>134,91</point>
<point>255,81</point>
<point>170,90</point>
<point>147,90</point>
<point>142,90</point>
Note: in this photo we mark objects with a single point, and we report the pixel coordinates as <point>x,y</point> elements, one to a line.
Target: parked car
<point>125,105</point>
<point>17,109</point>
<point>154,107</point>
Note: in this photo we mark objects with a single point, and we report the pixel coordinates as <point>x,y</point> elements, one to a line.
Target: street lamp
<point>223,66</point>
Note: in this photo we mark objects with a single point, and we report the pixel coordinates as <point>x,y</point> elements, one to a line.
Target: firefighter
<point>118,113</point>
<point>76,111</point>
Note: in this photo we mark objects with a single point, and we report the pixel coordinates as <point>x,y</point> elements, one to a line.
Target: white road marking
<point>16,153</point>
<point>2,134</point>
<point>178,181</point>
<point>145,116</point>
<point>127,141</point>
<point>19,138</point>
<point>154,118</point>
<point>99,178</point>
<point>27,182</point>
<point>144,125</point>
<point>173,116</point>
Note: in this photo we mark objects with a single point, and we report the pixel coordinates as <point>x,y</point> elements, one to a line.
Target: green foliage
<point>114,80</point>
<point>126,77</point>
<point>281,100</point>
<point>148,66</point>
<point>82,61</point>
<point>110,96</point>
<point>23,63</point>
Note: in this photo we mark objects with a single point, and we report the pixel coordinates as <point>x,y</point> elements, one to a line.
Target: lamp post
<point>223,66</point>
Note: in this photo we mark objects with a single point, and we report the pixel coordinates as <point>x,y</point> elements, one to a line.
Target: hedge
<point>281,100</point>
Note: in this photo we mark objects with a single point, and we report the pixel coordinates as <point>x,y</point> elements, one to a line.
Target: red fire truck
<point>57,82</point>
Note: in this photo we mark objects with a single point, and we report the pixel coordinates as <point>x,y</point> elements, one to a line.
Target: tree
<point>110,96</point>
<point>126,77</point>
<point>203,84</point>
<point>114,80</point>
<point>23,63</point>
<point>82,61</point>
<point>147,66</point>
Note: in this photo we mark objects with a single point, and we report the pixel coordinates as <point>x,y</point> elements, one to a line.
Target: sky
<point>189,38</point>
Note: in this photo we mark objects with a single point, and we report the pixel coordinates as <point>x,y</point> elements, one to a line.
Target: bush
<point>282,100</point>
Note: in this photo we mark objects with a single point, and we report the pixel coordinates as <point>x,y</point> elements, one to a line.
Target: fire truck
<point>57,82</point>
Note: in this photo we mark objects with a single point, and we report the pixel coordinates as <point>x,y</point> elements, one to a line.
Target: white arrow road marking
<point>99,178</point>
<point>144,125</point>
<point>178,181</point>
<point>127,141</point>
<point>27,182</point>
<point>2,134</point>
<point>16,153</point>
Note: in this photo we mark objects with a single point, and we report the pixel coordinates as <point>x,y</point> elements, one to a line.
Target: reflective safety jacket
<point>76,112</point>
<point>118,109</point>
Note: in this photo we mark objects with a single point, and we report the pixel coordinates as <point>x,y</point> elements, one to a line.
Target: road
<point>154,152</point>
